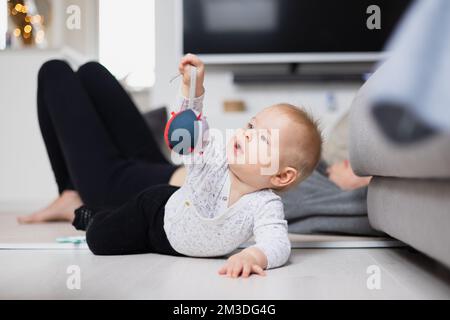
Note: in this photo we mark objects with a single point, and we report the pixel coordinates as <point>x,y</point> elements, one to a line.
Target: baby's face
<point>255,153</point>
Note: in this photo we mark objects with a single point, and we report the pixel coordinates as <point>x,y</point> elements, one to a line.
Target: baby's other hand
<point>241,264</point>
<point>185,69</point>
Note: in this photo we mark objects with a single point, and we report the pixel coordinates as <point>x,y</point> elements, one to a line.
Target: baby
<point>228,194</point>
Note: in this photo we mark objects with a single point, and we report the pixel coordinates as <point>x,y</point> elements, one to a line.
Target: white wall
<point>25,173</point>
<point>219,85</point>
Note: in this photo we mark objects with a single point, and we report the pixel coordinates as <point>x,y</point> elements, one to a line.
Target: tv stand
<point>296,74</point>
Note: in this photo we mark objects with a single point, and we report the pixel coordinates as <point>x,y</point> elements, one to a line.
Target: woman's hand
<point>244,263</point>
<point>342,175</point>
<point>185,69</point>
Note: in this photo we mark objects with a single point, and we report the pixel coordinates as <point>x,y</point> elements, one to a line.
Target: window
<point>3,23</point>
<point>127,40</point>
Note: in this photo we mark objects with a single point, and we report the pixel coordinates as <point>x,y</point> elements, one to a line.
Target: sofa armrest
<point>372,154</point>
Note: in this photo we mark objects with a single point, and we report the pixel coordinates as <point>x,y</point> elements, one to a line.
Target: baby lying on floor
<point>227,197</point>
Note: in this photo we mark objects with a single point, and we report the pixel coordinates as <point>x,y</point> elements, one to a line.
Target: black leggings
<point>137,226</point>
<point>99,144</point>
<point>97,141</point>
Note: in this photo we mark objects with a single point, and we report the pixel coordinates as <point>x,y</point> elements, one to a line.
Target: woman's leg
<point>51,142</point>
<point>68,199</point>
<point>89,155</point>
<point>120,116</point>
<point>129,133</point>
<point>137,226</point>
<point>61,135</point>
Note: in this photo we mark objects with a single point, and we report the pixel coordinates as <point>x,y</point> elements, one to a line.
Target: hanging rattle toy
<point>186,130</point>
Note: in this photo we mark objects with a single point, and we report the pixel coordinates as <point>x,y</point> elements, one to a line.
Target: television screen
<point>229,27</point>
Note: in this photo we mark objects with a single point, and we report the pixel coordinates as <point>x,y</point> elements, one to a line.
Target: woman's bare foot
<point>62,209</point>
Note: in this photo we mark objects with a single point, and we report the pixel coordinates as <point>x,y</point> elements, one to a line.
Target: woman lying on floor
<point>122,157</point>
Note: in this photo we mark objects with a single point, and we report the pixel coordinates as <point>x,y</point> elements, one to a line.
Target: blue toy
<point>184,141</point>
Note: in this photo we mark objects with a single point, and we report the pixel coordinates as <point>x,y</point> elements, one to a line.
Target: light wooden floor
<point>310,274</point>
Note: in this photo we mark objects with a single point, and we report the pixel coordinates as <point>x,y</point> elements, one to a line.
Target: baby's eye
<point>249,126</point>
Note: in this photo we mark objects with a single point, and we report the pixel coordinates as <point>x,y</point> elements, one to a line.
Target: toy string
<point>174,77</point>
<point>191,86</point>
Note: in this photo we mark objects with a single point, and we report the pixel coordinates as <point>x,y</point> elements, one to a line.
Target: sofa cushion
<point>416,211</point>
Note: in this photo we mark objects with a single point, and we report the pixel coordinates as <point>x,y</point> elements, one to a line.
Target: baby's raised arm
<point>186,132</point>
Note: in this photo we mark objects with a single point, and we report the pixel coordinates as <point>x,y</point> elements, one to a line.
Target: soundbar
<point>249,78</point>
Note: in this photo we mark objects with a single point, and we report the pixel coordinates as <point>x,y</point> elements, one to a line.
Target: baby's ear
<point>285,177</point>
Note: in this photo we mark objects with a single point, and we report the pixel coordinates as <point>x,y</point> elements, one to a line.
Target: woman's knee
<point>53,68</point>
<point>89,69</point>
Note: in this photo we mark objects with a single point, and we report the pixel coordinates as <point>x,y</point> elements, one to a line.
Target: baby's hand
<point>241,264</point>
<point>185,69</point>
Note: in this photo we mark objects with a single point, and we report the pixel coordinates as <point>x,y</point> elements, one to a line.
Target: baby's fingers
<point>227,268</point>
<point>223,270</point>
<point>230,267</point>
<point>191,59</point>
<point>181,68</point>
<point>258,270</point>
<point>237,270</point>
<point>247,270</point>
<point>184,69</point>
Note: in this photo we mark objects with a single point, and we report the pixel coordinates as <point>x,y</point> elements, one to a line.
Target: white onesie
<point>198,221</point>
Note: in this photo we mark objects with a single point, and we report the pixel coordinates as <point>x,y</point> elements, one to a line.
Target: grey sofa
<point>409,195</point>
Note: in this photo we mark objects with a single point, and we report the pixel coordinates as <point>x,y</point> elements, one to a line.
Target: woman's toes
<point>23,219</point>
<point>44,216</point>
<point>32,218</point>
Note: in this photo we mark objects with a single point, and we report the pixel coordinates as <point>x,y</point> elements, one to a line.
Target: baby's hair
<point>307,156</point>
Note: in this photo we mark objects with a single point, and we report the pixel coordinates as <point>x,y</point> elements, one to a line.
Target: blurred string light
<point>29,24</point>
<point>127,40</point>
<point>35,23</point>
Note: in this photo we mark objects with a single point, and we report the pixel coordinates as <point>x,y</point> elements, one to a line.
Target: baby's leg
<point>135,227</point>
